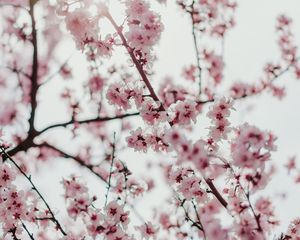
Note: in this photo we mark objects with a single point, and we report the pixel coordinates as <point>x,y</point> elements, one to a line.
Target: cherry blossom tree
<point>215,180</point>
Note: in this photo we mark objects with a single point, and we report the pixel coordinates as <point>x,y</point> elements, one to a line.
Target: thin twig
<point>215,192</point>
<point>111,168</point>
<point>198,218</point>
<point>91,120</point>
<point>27,231</point>
<point>56,72</point>
<point>197,54</point>
<point>187,216</point>
<point>256,216</point>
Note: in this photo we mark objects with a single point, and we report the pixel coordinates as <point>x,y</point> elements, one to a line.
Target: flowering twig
<point>188,218</point>
<point>138,66</point>
<point>6,156</point>
<point>256,216</point>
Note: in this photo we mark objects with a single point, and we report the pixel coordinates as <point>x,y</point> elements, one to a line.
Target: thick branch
<point>34,71</point>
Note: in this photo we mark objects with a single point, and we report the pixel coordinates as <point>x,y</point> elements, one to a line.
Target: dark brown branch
<point>137,64</point>
<point>188,218</point>
<point>76,159</point>
<point>215,192</point>
<point>256,216</point>
<point>34,71</point>
<point>27,231</point>
<point>5,157</point>
<point>97,119</point>
<point>13,233</point>
<point>22,146</point>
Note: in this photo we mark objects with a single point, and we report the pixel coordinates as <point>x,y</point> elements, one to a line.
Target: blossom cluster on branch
<point>214,179</point>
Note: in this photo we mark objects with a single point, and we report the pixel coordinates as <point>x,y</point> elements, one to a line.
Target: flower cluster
<point>144,30</point>
<point>141,141</point>
<point>111,223</point>
<point>214,65</point>
<point>188,184</point>
<point>170,93</point>
<point>242,89</point>
<point>219,113</point>
<point>212,16</point>
<point>189,73</point>
<point>251,148</point>
<point>184,112</point>
<point>286,44</point>
<point>84,26</point>
<point>151,113</point>
<point>15,207</point>
<point>96,84</point>
<point>196,153</point>
<point>212,171</point>
<point>120,94</point>
<point>77,196</point>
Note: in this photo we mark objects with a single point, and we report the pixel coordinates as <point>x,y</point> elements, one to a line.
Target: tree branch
<point>137,64</point>
<point>34,71</point>
<point>27,231</point>
<point>76,159</point>
<point>197,54</point>
<point>215,192</point>
<point>111,168</point>
<point>6,156</point>
<point>97,119</point>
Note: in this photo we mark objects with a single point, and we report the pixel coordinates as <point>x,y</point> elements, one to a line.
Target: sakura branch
<point>5,156</point>
<point>206,175</point>
<point>138,65</point>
